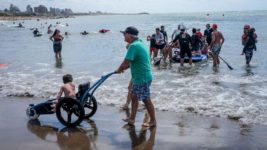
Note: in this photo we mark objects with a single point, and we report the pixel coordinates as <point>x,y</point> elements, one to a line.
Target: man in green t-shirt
<point>138,59</point>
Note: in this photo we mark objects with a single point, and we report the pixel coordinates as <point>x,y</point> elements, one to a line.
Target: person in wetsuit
<point>165,36</point>
<point>207,34</point>
<point>196,42</point>
<point>35,32</point>
<point>185,43</point>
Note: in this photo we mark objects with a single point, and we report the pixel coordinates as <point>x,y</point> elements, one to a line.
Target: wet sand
<point>106,130</point>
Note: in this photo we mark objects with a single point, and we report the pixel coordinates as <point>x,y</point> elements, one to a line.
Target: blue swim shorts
<point>216,49</point>
<point>142,91</point>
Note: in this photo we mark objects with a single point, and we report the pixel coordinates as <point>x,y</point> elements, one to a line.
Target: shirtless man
<point>216,44</point>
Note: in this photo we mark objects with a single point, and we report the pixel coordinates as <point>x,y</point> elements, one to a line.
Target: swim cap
<point>214,26</point>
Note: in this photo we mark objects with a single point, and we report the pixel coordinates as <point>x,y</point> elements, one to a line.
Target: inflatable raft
<point>195,57</point>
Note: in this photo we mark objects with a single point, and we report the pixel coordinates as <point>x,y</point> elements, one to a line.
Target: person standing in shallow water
<point>217,41</point>
<point>249,40</point>
<point>207,34</point>
<point>137,58</point>
<point>57,39</point>
<point>185,44</point>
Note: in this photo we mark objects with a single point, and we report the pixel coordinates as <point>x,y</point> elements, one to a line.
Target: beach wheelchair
<point>69,111</point>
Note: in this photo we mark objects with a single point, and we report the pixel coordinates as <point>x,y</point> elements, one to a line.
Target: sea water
<point>33,71</point>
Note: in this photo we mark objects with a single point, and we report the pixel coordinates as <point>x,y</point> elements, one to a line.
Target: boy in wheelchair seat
<point>68,88</point>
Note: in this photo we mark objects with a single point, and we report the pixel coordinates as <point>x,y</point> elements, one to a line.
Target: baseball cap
<point>131,30</point>
<point>182,28</point>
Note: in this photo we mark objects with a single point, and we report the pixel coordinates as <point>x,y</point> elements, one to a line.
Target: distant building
<point>29,9</point>
<point>68,11</point>
<point>41,9</point>
<point>55,11</point>
<point>14,9</point>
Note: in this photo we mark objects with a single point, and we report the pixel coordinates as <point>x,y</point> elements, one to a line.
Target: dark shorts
<point>195,48</point>
<point>160,46</point>
<point>142,91</point>
<point>208,41</point>
<point>186,51</point>
<point>57,47</point>
<point>248,53</point>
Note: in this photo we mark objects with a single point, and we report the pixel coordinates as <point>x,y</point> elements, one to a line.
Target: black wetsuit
<point>35,32</point>
<point>207,34</point>
<point>164,35</point>
<point>184,45</point>
<point>153,42</point>
<point>196,42</point>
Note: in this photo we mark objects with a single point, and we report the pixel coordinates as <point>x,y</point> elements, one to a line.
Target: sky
<point>150,6</point>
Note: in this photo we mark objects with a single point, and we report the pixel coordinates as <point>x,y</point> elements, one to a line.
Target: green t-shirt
<point>138,55</point>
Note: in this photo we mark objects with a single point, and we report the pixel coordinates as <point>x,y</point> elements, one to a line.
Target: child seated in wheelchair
<point>68,88</point>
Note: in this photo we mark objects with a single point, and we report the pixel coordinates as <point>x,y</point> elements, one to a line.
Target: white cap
<point>182,27</point>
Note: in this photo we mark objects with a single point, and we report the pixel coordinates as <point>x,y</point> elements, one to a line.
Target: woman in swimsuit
<point>57,39</point>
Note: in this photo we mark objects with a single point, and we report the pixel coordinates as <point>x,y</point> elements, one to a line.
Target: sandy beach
<point>106,130</point>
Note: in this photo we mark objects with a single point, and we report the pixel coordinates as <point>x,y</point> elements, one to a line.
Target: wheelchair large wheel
<point>90,107</point>
<point>69,112</point>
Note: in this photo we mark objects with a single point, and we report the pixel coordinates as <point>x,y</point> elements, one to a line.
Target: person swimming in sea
<point>84,33</point>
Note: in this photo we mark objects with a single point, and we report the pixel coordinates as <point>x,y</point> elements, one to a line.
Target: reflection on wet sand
<point>139,141</point>
<point>245,129</point>
<point>66,138</point>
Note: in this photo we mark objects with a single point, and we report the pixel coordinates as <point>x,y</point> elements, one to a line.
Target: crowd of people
<point>138,58</point>
<point>195,44</point>
<point>181,45</point>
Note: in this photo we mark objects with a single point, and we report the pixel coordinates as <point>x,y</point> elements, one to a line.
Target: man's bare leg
<point>151,111</point>
<point>131,120</point>
<point>190,61</point>
<point>181,61</point>
<point>214,57</point>
<point>155,54</point>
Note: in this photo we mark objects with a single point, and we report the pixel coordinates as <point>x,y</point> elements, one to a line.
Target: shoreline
<point>15,18</point>
<point>106,130</point>
<point>26,17</point>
